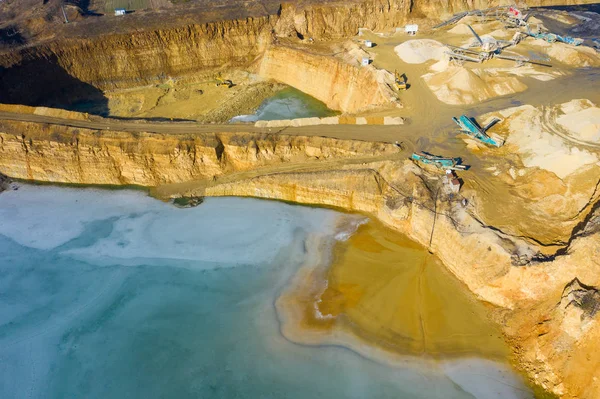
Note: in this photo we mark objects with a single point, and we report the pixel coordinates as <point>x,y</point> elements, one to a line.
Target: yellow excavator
<point>400,81</point>
<point>223,82</point>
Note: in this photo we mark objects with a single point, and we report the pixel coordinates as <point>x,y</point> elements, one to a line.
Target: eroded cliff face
<point>340,84</point>
<point>339,20</point>
<point>73,68</point>
<point>54,153</point>
<point>126,60</point>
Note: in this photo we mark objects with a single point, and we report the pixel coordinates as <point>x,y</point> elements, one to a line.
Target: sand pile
<point>580,56</point>
<point>420,51</point>
<point>541,142</point>
<point>458,85</point>
<point>351,52</point>
<point>487,38</point>
<point>528,70</point>
<point>501,34</point>
<point>581,118</point>
<point>460,29</point>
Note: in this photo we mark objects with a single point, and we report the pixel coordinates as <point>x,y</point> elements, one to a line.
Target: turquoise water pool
<point>289,103</point>
<point>112,294</point>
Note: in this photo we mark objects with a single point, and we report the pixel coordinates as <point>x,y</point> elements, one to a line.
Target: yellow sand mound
<point>458,85</point>
<point>581,119</point>
<point>580,56</point>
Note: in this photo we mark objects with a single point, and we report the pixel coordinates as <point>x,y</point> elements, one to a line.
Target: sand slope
<point>420,51</point>
<point>581,118</point>
<point>458,85</point>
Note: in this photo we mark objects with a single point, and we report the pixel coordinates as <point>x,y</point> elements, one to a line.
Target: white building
<point>411,29</point>
<point>120,11</point>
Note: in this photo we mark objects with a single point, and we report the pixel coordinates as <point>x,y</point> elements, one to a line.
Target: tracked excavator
<point>400,81</point>
<point>223,82</point>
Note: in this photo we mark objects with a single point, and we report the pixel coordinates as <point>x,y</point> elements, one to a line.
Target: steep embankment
<point>64,154</point>
<point>81,66</point>
<point>337,20</point>
<point>81,63</point>
<point>341,85</point>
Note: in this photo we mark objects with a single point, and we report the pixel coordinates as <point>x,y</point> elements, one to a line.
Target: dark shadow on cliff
<point>84,8</point>
<point>42,82</point>
<point>11,36</point>
<point>594,7</point>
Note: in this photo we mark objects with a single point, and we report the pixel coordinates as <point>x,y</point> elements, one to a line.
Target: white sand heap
<point>527,70</point>
<point>542,142</point>
<point>420,51</point>
<point>458,85</point>
<point>581,119</point>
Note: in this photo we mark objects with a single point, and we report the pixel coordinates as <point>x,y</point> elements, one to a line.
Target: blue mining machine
<point>470,127</point>
<point>439,162</point>
<point>552,37</point>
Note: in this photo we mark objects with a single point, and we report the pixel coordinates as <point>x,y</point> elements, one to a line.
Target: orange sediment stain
<point>388,291</point>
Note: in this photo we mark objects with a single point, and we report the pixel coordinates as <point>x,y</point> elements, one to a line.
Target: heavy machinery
<point>552,37</point>
<point>438,162</point>
<point>470,127</point>
<point>500,13</point>
<point>482,50</point>
<point>461,54</point>
<point>514,18</point>
<point>223,82</point>
<point>490,45</point>
<point>400,81</point>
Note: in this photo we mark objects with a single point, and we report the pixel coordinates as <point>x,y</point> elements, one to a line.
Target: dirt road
<point>353,132</point>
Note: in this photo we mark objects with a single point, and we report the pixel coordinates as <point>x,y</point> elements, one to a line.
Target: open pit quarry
<point>136,103</point>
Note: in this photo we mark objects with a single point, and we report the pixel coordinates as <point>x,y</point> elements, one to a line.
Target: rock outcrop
<point>341,85</point>
<point>58,153</point>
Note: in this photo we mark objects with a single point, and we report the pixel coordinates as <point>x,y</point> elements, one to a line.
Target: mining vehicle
<point>223,82</point>
<point>400,81</point>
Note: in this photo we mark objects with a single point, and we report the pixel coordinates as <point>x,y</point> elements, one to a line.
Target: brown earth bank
<point>80,60</point>
<point>544,298</point>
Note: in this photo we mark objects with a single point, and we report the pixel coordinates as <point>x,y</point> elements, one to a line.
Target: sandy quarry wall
<point>340,85</point>
<point>81,65</point>
<point>343,19</point>
<point>80,68</point>
<point>56,153</point>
